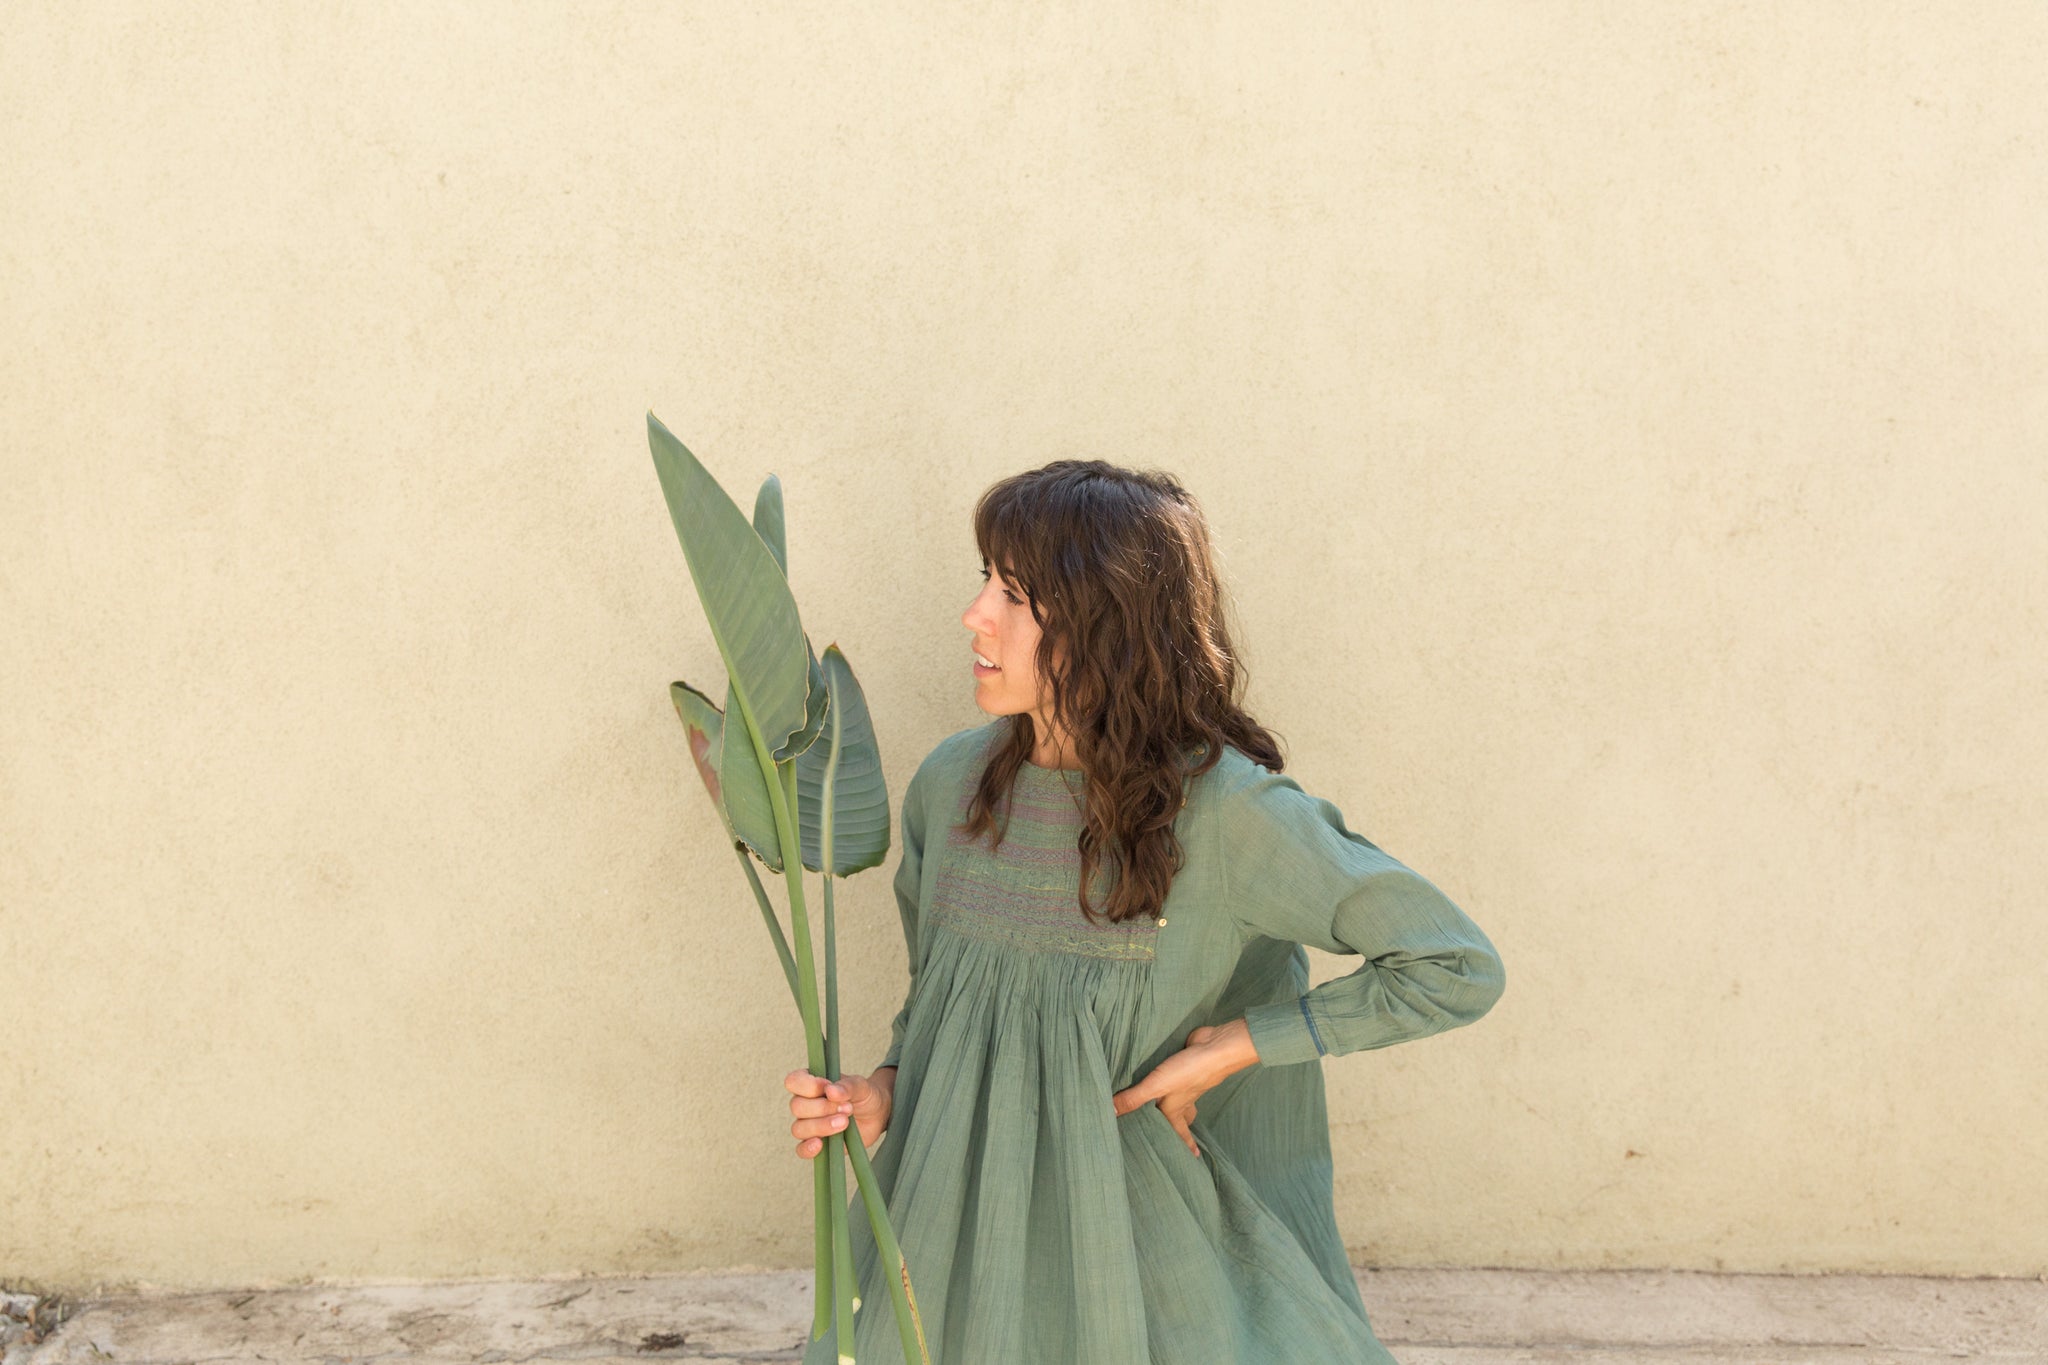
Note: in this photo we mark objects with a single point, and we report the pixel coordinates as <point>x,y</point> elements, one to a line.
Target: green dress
<point>1040,1227</point>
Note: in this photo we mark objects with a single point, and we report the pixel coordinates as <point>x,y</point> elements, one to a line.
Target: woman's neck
<point>1051,748</point>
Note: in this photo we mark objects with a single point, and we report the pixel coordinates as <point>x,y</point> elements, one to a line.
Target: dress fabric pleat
<point>1040,1227</point>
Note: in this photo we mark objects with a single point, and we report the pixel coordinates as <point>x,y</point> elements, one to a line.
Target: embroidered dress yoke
<point>1040,1227</point>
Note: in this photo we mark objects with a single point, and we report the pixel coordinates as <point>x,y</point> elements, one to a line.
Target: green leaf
<point>706,730</point>
<point>854,784</point>
<point>768,521</point>
<point>705,726</point>
<point>746,600</point>
<point>816,702</point>
<point>748,806</point>
<point>771,526</point>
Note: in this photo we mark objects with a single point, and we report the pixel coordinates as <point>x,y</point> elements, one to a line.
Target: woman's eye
<point>1015,600</point>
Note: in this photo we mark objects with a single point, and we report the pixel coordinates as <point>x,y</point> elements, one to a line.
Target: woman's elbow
<point>1486,980</point>
<point>1476,981</point>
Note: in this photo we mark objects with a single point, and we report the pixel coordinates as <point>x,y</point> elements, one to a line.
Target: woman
<point>1107,1141</point>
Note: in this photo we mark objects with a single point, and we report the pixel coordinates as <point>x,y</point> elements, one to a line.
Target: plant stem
<point>909,1325</point>
<point>774,924</point>
<point>823,1305</point>
<point>833,1196</point>
<point>895,1270</point>
<point>845,1287</point>
<point>789,841</point>
<point>843,1279</point>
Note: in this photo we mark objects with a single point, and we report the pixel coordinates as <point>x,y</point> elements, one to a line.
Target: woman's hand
<point>822,1107</point>
<point>1213,1052</point>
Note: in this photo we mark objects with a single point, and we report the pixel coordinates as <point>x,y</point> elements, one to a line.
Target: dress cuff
<point>1284,1031</point>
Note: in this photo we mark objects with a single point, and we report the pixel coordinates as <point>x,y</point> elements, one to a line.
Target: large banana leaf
<point>785,700</point>
<point>705,727</point>
<point>859,796</point>
<point>745,792</point>
<point>746,599</point>
<point>815,701</point>
<point>737,787</point>
<point>860,799</point>
<point>706,730</point>
<point>769,525</point>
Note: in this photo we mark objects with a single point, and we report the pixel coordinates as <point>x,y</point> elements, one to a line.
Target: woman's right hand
<point>820,1107</point>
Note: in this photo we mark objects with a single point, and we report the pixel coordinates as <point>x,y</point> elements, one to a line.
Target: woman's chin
<point>982,700</point>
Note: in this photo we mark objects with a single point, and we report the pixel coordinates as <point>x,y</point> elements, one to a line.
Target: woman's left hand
<point>1213,1052</point>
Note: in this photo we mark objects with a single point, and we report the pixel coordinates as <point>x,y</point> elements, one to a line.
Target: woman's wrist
<point>1233,1042</point>
<point>883,1078</point>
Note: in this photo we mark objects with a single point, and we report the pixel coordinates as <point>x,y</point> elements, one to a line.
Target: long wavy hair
<point>1134,658</point>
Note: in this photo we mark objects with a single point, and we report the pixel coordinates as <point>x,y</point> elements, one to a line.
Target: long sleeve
<point>1295,872</point>
<point>909,879</point>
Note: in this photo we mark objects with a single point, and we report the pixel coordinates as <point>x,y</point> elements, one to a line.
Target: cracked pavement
<point>1426,1317</point>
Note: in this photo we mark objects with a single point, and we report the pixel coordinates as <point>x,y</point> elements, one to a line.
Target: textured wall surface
<point>1623,427</point>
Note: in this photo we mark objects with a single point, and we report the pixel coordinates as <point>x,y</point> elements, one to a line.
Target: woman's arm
<point>909,891</point>
<point>884,1080</point>
<point>871,1099</point>
<point>1294,871</point>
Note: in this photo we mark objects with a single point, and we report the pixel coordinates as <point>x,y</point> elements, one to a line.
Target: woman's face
<point>1006,635</point>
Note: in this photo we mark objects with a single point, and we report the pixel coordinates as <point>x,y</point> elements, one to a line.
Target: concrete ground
<point>1426,1317</point>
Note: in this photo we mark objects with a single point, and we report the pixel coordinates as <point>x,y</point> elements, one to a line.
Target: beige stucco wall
<point>1623,427</point>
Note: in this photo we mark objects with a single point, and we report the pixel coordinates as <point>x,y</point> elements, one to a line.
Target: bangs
<point>1000,537</point>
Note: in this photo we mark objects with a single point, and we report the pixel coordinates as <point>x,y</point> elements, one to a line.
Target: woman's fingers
<point>816,1118</point>
<point>1183,1123</point>
<point>802,1082</point>
<point>831,1123</point>
<point>810,1146</point>
<point>819,1107</point>
<point>814,1095</point>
